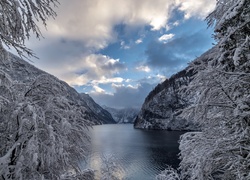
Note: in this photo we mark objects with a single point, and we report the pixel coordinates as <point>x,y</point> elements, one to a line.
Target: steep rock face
<point>103,115</point>
<point>29,80</point>
<point>163,105</point>
<point>123,116</point>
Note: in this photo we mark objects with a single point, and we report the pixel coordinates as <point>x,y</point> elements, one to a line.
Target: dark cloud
<point>124,96</point>
<point>177,52</point>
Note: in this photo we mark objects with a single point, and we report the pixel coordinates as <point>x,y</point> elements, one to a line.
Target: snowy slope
<point>103,115</point>
<point>123,116</point>
<point>163,105</point>
<point>26,77</point>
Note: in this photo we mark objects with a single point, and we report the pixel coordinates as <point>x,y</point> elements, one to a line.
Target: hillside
<point>163,105</point>
<point>21,72</point>
<point>103,115</point>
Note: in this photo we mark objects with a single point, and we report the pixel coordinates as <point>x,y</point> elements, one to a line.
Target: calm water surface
<point>139,154</point>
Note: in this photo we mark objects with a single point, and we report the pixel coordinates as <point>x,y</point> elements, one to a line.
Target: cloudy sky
<point>119,50</point>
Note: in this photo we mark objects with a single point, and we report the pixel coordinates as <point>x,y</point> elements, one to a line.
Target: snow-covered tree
<point>222,107</point>
<point>19,18</point>
<point>110,170</point>
<point>168,174</point>
<point>43,129</point>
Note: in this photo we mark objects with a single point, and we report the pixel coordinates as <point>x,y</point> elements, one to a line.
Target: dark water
<point>138,154</point>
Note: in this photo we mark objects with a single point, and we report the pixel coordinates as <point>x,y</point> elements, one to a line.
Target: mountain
<point>27,79</point>
<point>123,116</point>
<point>103,115</point>
<point>163,106</point>
<point>44,123</point>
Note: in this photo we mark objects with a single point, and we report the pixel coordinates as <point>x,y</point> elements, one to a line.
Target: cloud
<point>143,68</point>
<point>173,55</point>
<point>99,90</point>
<point>166,37</point>
<point>83,27</point>
<point>124,96</point>
<point>194,8</point>
<point>139,41</point>
<point>93,20</point>
<point>124,46</point>
<point>94,69</point>
<point>69,61</point>
<point>153,79</point>
<point>130,93</point>
<point>104,80</point>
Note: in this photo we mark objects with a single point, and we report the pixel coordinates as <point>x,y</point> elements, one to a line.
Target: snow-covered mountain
<point>123,116</point>
<point>103,115</point>
<point>28,79</point>
<point>163,105</point>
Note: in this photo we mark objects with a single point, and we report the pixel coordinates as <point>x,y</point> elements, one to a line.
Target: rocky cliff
<point>163,105</point>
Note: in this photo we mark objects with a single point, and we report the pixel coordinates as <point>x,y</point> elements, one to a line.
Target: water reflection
<point>138,154</point>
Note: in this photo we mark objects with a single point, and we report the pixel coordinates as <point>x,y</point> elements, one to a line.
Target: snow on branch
<point>19,18</point>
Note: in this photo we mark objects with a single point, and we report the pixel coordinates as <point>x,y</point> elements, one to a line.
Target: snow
<point>43,123</point>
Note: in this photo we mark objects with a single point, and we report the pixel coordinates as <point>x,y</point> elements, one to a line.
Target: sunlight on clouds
<point>93,20</point>
<point>134,87</point>
<point>98,89</point>
<point>161,77</point>
<point>93,68</point>
<point>138,41</point>
<point>128,80</point>
<point>113,85</point>
<point>105,80</point>
<point>158,22</point>
<point>124,95</point>
<point>154,79</point>
<point>166,37</point>
<point>196,8</point>
<point>143,68</point>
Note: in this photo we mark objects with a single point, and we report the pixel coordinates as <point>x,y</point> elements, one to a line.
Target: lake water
<point>138,154</point>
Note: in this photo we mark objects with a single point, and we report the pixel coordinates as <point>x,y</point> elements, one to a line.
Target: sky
<point>117,51</point>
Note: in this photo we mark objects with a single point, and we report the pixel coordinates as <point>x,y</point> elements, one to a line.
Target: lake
<point>137,154</point>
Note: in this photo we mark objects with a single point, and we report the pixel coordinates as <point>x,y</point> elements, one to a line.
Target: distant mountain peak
<point>124,115</point>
